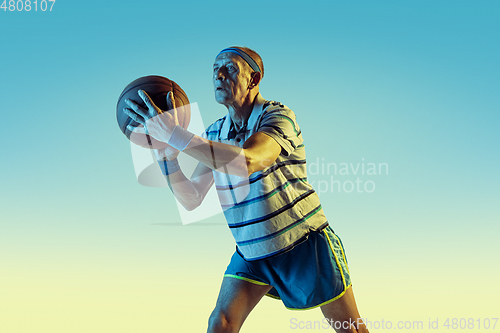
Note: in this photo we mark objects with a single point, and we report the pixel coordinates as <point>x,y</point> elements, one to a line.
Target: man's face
<point>231,79</point>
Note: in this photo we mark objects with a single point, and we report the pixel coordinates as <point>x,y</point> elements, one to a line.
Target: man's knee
<point>219,322</point>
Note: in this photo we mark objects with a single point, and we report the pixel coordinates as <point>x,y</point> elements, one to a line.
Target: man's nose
<point>220,75</point>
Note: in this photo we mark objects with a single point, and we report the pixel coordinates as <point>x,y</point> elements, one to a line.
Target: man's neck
<point>240,113</point>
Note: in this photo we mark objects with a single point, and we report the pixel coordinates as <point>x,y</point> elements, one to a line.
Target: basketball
<point>157,87</point>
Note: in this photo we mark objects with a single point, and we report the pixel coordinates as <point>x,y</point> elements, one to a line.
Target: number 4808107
<point>27,5</point>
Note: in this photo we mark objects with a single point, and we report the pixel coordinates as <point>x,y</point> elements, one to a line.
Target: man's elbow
<point>254,165</point>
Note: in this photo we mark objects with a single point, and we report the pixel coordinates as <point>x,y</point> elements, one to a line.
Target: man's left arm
<point>258,152</point>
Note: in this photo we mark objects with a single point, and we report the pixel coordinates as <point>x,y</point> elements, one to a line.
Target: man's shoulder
<point>273,105</point>
<point>273,108</point>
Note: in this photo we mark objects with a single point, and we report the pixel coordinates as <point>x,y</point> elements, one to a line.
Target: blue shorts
<point>311,274</point>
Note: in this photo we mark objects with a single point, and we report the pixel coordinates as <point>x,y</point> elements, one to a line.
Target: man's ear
<point>255,79</point>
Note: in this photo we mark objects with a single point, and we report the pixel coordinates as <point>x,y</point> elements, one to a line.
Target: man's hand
<point>183,115</point>
<point>156,122</point>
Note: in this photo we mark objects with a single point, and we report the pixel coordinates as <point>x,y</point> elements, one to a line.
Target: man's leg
<point>343,311</point>
<point>236,299</point>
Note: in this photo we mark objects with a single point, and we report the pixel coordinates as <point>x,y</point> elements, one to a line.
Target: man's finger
<point>149,102</point>
<point>183,112</point>
<point>135,116</point>
<point>137,108</point>
<point>172,108</point>
<point>170,101</point>
<point>133,104</point>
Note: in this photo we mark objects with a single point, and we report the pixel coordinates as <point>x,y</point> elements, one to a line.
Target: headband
<point>243,55</point>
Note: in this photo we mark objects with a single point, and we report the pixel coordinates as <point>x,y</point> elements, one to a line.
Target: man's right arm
<point>190,192</point>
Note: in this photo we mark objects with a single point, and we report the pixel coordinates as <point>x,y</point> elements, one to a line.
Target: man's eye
<point>230,68</point>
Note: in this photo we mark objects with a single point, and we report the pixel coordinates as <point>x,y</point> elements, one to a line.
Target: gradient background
<point>414,84</point>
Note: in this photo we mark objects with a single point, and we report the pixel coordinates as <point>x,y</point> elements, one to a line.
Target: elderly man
<point>256,158</point>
